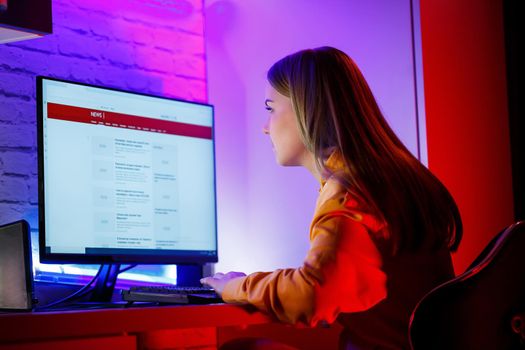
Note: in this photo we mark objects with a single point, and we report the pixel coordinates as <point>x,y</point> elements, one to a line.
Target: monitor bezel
<point>49,257</point>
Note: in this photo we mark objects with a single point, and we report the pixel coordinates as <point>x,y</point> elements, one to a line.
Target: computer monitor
<point>124,177</point>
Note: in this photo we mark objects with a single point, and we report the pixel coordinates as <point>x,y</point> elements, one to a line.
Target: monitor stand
<point>105,283</point>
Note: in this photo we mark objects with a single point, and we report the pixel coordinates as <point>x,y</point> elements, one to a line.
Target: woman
<point>384,226</point>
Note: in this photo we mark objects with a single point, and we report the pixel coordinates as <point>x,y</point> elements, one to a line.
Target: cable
<point>79,293</point>
<point>83,290</point>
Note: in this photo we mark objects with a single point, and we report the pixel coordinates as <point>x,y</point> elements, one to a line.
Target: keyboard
<point>172,295</point>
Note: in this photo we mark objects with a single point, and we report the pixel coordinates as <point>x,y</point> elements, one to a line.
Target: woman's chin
<point>286,162</point>
<point>280,161</point>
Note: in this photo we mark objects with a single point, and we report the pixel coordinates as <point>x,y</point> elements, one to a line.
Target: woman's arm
<point>341,273</point>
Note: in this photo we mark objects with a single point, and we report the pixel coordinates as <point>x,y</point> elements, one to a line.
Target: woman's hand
<point>219,280</point>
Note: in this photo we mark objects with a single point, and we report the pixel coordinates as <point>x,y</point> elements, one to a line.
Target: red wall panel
<point>467,117</point>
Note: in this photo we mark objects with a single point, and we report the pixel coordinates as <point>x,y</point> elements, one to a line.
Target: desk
<point>159,327</point>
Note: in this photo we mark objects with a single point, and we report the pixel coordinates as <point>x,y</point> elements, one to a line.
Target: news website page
<point>126,171</point>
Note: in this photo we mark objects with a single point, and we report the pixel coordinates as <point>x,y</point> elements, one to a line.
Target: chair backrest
<point>476,309</point>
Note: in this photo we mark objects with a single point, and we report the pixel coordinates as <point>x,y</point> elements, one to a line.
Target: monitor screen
<point>124,177</point>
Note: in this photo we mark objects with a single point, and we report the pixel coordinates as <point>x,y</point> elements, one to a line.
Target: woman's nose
<point>266,129</point>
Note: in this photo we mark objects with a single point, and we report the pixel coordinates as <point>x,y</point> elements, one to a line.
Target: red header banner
<point>126,121</point>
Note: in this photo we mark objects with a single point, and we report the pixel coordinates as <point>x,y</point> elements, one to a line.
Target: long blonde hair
<point>336,109</point>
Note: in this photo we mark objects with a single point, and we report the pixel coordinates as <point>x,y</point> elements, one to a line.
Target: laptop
<point>16,275</point>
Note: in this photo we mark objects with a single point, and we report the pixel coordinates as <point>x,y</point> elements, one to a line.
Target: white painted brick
<point>174,86</point>
<point>16,111</point>
<point>190,44</point>
<point>197,90</point>
<point>189,66</point>
<point>191,24</point>
<point>13,189</point>
<point>80,45</point>
<point>198,5</point>
<point>10,212</point>
<point>137,80</point>
<point>109,8</point>
<point>33,190</point>
<point>18,163</point>
<point>17,60</point>
<point>10,57</point>
<point>61,66</point>
<point>157,12</point>
<point>101,25</point>
<point>59,4</point>
<point>39,62</point>
<point>167,39</point>
<point>72,18</point>
<point>108,75</point>
<point>27,113</point>
<point>17,85</point>
<point>60,16</point>
<point>81,70</point>
<point>133,32</point>
<point>178,42</point>
<point>16,136</point>
<point>156,83</point>
<point>34,169</point>
<point>119,53</point>
<point>154,59</point>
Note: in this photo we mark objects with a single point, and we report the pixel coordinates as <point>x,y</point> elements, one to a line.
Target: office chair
<point>483,308</point>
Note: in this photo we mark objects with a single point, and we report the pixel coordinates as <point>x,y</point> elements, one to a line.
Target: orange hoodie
<point>342,271</point>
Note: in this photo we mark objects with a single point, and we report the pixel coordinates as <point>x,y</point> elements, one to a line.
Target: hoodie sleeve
<point>341,273</point>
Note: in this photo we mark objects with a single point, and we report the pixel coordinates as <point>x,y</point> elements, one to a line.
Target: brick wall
<point>154,47</point>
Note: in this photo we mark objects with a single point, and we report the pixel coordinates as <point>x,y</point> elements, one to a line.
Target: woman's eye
<point>269,109</point>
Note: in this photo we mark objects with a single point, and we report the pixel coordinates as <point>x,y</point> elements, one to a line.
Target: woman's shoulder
<point>334,193</point>
<point>335,200</point>
<point>330,189</point>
